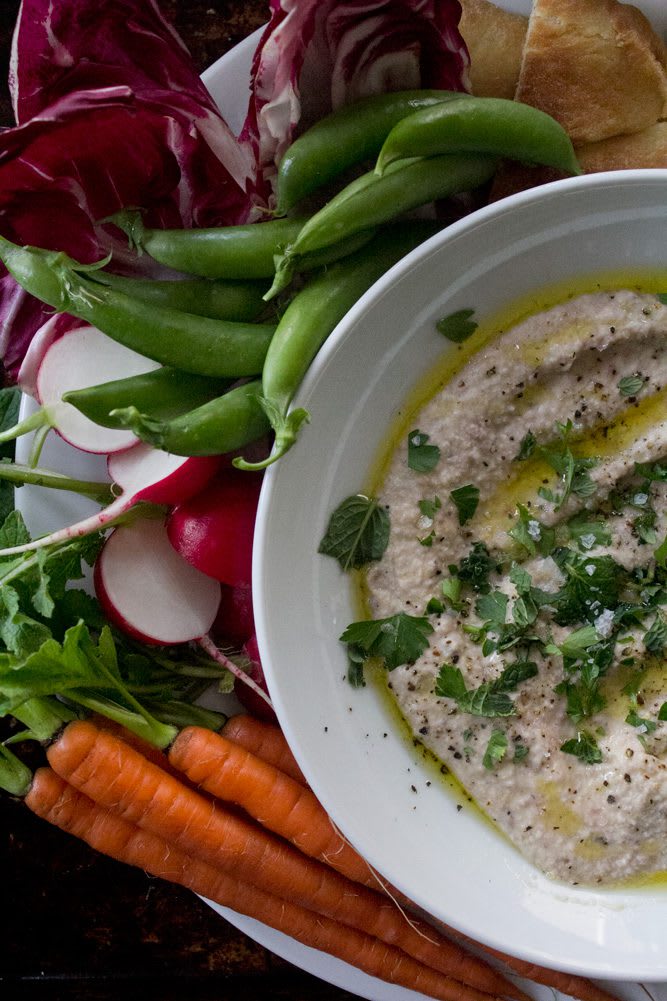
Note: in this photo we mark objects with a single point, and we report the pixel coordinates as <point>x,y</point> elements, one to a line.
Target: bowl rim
<point>496,211</point>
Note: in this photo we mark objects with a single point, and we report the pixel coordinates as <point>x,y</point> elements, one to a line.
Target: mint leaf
<point>492,608</point>
<point>496,749</point>
<point>398,639</point>
<point>631,385</point>
<point>585,747</point>
<point>458,326</point>
<point>422,457</point>
<point>357,533</point>
<point>466,500</point>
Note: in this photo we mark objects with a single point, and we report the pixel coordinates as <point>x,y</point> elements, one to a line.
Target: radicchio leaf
<point>317,55</point>
<point>111,114</point>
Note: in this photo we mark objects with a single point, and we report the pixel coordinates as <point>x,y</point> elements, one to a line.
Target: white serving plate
<point>227,80</point>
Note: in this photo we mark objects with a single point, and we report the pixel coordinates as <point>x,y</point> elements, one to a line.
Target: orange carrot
<point>51,798</point>
<point>277,801</point>
<point>266,740</point>
<point>116,776</point>
<point>566,983</point>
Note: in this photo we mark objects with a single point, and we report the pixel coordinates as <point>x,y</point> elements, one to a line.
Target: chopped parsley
<point>475,568</point>
<point>422,457</point>
<point>496,749</point>
<point>491,697</point>
<point>585,747</point>
<point>574,472</point>
<point>466,500</point>
<point>458,326</point>
<point>398,639</point>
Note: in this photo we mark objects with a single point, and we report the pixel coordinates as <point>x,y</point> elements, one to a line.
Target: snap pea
<point>240,252</point>
<point>197,344</point>
<point>220,300</point>
<point>309,319</point>
<point>222,425</point>
<point>163,393</point>
<point>481,125</point>
<point>347,136</point>
<point>370,200</point>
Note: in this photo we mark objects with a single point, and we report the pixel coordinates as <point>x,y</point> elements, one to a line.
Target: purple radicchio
<point>317,55</point>
<point>111,113</point>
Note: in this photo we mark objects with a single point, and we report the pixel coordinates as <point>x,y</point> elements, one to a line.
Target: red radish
<point>234,624</point>
<point>248,696</point>
<point>213,530</point>
<point>159,477</point>
<point>143,474</point>
<point>74,361</point>
<point>148,591</point>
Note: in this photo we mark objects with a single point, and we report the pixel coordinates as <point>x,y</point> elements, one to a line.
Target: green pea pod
<point>346,137</point>
<point>370,200</point>
<point>481,125</point>
<point>225,424</point>
<point>221,300</point>
<point>162,393</point>
<point>197,344</point>
<point>229,252</point>
<point>309,319</point>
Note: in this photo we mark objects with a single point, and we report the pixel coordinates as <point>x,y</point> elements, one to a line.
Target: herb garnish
<point>585,747</point>
<point>422,457</point>
<point>357,533</point>
<point>575,478</point>
<point>631,385</point>
<point>398,639</point>
<point>488,699</point>
<point>466,501</point>
<point>496,749</point>
<point>458,326</point>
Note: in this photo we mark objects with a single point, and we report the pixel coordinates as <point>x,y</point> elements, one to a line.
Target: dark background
<point>80,926</point>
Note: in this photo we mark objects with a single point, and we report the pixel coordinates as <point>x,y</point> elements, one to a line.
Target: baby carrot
<point>51,798</point>
<point>264,739</point>
<point>117,777</point>
<point>284,806</point>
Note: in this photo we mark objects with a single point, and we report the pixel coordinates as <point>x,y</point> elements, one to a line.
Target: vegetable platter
<point>190,174</point>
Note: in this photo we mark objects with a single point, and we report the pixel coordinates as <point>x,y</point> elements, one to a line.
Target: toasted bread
<point>647,148</point>
<point>596,66</point>
<point>495,41</point>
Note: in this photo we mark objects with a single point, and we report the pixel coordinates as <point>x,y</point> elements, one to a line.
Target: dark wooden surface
<point>76,925</point>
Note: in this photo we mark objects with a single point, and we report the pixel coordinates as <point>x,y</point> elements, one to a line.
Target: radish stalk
<point>15,472</point>
<point>146,477</point>
<point>207,644</point>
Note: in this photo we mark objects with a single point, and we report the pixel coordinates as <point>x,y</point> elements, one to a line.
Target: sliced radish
<point>83,358</point>
<point>214,529</point>
<point>143,474</point>
<point>159,477</point>
<point>56,326</point>
<point>148,591</point>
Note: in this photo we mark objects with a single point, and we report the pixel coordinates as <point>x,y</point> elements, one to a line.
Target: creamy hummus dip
<point>528,518</point>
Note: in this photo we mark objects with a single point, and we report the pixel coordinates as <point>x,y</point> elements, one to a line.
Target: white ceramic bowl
<point>373,783</point>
